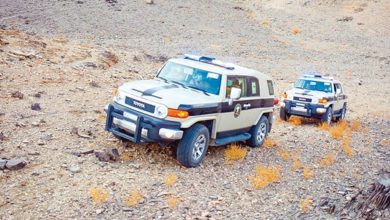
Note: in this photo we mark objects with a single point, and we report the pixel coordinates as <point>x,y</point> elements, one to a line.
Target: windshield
<point>313,85</point>
<point>191,77</point>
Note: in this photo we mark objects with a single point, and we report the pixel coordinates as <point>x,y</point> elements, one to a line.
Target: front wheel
<point>193,147</point>
<point>259,132</point>
<point>283,114</point>
<point>327,117</point>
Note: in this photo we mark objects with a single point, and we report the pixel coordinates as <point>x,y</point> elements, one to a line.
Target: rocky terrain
<point>61,60</point>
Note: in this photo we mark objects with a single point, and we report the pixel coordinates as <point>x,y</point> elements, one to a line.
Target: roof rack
<point>210,60</point>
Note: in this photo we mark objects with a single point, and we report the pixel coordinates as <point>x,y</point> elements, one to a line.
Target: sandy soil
<point>69,56</point>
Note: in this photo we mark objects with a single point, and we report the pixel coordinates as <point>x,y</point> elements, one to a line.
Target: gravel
<point>57,48</point>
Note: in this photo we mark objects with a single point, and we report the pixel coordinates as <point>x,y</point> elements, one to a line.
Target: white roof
<point>320,79</point>
<point>238,70</point>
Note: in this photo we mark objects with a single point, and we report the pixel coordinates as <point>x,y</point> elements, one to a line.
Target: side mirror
<point>338,91</point>
<point>292,85</point>
<point>235,93</point>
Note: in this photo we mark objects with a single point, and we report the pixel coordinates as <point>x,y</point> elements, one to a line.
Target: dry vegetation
<point>328,160</point>
<point>308,173</point>
<point>295,120</point>
<point>264,176</point>
<point>98,195</point>
<point>296,30</point>
<point>173,201</point>
<point>284,154</point>
<point>234,153</point>
<point>170,180</point>
<point>306,204</point>
<point>346,146</point>
<point>133,199</point>
<point>270,143</point>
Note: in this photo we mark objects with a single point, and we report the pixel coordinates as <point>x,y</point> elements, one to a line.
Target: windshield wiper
<point>202,90</point>
<point>179,83</point>
<point>165,80</point>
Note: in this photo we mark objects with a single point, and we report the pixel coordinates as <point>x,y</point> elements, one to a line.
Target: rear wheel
<point>259,132</point>
<point>284,115</point>
<point>193,147</point>
<point>343,112</point>
<point>327,117</point>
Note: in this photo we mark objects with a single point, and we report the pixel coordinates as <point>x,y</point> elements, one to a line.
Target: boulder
<point>15,164</point>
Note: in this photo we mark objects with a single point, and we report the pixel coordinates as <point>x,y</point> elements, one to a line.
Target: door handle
<point>247,105</point>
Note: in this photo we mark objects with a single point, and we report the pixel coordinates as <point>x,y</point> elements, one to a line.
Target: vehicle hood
<point>169,94</point>
<point>308,94</point>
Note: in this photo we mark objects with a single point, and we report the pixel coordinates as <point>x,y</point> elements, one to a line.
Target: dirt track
<point>75,54</point>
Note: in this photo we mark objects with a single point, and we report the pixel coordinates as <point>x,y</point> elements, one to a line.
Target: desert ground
<point>68,57</point>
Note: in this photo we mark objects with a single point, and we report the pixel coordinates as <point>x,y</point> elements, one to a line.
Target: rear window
<point>270,87</point>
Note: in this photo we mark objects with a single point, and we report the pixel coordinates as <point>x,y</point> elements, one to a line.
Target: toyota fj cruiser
<point>195,101</point>
<point>317,96</point>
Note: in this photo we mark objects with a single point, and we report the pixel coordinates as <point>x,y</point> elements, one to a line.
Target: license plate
<point>130,116</point>
<point>298,109</point>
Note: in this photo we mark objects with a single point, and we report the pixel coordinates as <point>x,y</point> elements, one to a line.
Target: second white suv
<point>315,96</point>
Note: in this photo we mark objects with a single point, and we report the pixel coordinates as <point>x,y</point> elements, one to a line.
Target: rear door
<point>242,113</point>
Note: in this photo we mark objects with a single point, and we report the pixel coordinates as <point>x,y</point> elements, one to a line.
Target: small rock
<point>342,193</point>
<point>74,168</point>
<point>15,164</point>
<point>17,94</point>
<point>38,123</point>
<point>2,137</point>
<point>102,156</point>
<point>35,123</point>
<point>113,153</point>
<point>36,107</point>
<point>2,164</point>
<point>345,19</point>
<point>99,211</point>
<point>94,84</point>
<point>150,2</point>
<point>47,137</point>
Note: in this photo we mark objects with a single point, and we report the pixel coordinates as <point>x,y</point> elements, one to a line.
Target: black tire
<point>188,154</point>
<point>259,132</point>
<point>343,112</point>
<point>328,116</point>
<point>120,138</point>
<point>284,115</point>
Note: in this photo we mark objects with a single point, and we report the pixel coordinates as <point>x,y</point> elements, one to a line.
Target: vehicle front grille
<point>140,105</point>
<point>302,99</point>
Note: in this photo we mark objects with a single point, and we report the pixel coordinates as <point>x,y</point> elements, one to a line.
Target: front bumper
<point>138,127</point>
<point>303,109</point>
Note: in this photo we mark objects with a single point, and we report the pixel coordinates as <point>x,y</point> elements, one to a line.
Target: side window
<point>253,87</point>
<point>338,87</point>
<point>237,82</point>
<point>270,87</point>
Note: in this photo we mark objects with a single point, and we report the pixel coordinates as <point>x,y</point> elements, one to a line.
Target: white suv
<point>195,101</point>
<point>314,95</point>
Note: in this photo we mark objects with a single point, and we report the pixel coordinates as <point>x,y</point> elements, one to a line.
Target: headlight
<point>161,111</point>
<point>119,97</point>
